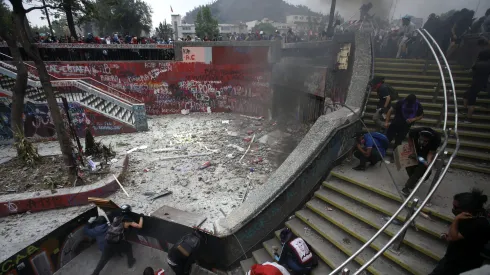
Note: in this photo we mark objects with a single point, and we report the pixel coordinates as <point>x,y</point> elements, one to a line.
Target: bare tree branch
<point>43,7</point>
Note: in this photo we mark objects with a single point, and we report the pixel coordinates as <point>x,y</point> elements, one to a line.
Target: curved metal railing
<point>439,151</point>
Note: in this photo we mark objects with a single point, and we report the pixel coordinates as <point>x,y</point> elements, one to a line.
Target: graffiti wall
<point>169,87</point>
<point>51,252</point>
<point>38,123</point>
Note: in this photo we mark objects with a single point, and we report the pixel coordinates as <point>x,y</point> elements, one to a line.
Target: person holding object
<point>115,238</point>
<point>424,143</point>
<point>370,147</point>
<point>386,94</point>
<point>467,235</point>
<point>407,112</point>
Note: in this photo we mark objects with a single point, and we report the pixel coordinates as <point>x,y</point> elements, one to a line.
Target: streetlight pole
<point>330,19</point>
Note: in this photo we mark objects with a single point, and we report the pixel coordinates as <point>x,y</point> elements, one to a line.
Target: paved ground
<point>213,192</point>
<point>145,256</point>
<point>455,181</point>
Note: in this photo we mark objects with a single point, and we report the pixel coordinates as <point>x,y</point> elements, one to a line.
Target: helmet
<point>407,17</point>
<point>126,208</point>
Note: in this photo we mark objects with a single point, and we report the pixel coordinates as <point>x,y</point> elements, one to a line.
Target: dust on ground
<point>48,174</point>
<point>183,144</point>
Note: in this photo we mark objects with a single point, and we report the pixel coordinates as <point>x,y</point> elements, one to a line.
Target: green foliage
<point>206,24</point>
<point>267,28</point>
<point>40,29</point>
<point>127,16</point>
<point>233,11</point>
<point>60,27</point>
<point>26,151</point>
<point>164,31</point>
<point>6,21</point>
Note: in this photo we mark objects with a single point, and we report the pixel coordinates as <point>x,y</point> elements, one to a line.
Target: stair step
<point>380,69</point>
<point>247,264</point>
<point>413,65</point>
<point>383,205</point>
<point>471,154</point>
<point>372,108</point>
<point>424,98</point>
<point>423,243</point>
<point>470,167</point>
<point>88,97</point>
<point>347,244</point>
<point>326,251</point>
<point>432,84</point>
<point>407,257</point>
<point>403,61</point>
<point>424,77</point>
<point>261,256</point>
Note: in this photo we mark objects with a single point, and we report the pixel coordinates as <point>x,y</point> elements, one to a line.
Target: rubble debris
<point>120,185</point>
<point>143,147</point>
<point>186,156</point>
<point>205,165</point>
<point>236,147</point>
<point>185,111</point>
<point>166,150</point>
<point>252,141</point>
<point>225,122</point>
<point>165,193</point>
<point>253,117</point>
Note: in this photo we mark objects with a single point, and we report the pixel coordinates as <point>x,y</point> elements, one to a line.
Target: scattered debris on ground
<point>49,173</point>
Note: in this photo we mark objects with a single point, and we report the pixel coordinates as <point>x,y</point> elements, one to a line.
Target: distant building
<point>281,27</point>
<point>182,29</point>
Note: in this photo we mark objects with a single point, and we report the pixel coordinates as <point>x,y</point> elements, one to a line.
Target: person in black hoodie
<point>481,72</point>
<point>183,254</point>
<point>467,236</point>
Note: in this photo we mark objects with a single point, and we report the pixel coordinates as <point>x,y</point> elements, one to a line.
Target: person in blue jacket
<point>97,228</point>
<point>370,147</point>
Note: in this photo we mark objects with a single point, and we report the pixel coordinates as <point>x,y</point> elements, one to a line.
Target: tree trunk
<point>33,53</point>
<point>331,18</point>
<point>19,90</point>
<point>69,18</point>
<point>47,18</point>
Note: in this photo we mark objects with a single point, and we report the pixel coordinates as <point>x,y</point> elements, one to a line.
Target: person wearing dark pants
<point>423,142</point>
<point>407,112</point>
<point>371,147</point>
<point>481,72</point>
<point>383,92</point>
<point>184,253</point>
<point>116,242</point>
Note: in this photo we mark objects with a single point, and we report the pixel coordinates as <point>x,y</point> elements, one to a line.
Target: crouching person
<point>424,142</point>
<point>295,254</point>
<point>370,147</point>
<point>184,253</point>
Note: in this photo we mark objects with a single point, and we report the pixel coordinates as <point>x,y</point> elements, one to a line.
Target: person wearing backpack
<point>184,253</point>
<point>296,254</point>
<point>386,94</point>
<point>407,112</point>
<point>370,147</point>
<point>115,239</point>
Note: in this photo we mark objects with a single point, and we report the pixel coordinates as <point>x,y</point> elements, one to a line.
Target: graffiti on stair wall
<point>50,253</point>
<point>38,123</point>
<point>169,87</point>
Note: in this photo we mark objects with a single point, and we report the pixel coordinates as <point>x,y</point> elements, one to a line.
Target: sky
<point>347,8</point>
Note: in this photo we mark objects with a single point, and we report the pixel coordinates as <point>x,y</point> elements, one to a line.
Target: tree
<point>267,28</point>
<point>19,15</point>
<point>7,33</point>
<point>60,27</point>
<point>164,31</point>
<point>206,24</point>
<point>127,16</point>
<point>330,28</point>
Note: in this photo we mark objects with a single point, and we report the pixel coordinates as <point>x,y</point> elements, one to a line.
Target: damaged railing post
<point>411,210</point>
<point>345,271</point>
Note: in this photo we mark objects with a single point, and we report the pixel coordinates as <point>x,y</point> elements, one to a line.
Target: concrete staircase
<point>407,76</point>
<point>344,213</point>
<point>88,93</point>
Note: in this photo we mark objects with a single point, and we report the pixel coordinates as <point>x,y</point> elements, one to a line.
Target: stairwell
<point>86,92</point>
<point>407,76</point>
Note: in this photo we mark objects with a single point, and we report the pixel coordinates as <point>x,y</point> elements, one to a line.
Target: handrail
<point>439,180</point>
<point>421,180</point>
<point>119,94</point>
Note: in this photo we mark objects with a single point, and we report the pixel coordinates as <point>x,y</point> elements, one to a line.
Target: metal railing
<point>400,234</point>
<point>89,82</point>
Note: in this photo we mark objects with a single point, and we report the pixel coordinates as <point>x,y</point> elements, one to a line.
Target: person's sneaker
<point>406,192</point>
<point>359,168</point>
<point>131,262</point>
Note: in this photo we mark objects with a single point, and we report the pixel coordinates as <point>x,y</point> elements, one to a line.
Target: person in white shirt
<point>407,31</point>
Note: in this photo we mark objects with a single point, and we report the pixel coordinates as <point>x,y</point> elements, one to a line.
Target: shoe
<point>131,262</point>
<point>406,192</point>
<point>372,163</point>
<point>359,168</point>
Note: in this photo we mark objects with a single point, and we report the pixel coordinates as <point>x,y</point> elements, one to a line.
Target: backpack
<point>393,92</point>
<point>188,244</point>
<point>115,232</point>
